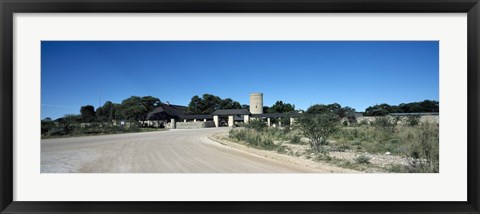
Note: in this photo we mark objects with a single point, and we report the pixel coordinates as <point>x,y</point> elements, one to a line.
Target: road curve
<point>174,151</point>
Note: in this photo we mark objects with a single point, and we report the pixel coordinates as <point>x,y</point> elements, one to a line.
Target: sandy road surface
<point>171,151</point>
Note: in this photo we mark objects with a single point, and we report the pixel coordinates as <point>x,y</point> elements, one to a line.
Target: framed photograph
<point>239,106</point>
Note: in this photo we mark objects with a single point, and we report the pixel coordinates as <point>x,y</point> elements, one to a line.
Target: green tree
<point>205,105</point>
<point>430,106</point>
<point>386,123</point>
<point>424,106</point>
<point>107,112</point>
<point>150,103</point>
<point>131,109</point>
<point>334,107</point>
<point>211,103</point>
<point>378,110</point>
<point>348,113</point>
<point>321,108</point>
<point>46,125</point>
<point>413,107</point>
<point>69,119</point>
<point>66,124</point>
<point>266,109</point>
<point>341,112</point>
<point>281,107</point>
<point>87,114</point>
<point>208,103</point>
<point>196,105</point>
<point>229,104</point>
<point>317,128</point>
<point>136,108</point>
<point>318,109</point>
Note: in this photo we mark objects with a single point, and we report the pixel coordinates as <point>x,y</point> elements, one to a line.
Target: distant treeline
<point>136,108</point>
<point>101,120</point>
<point>426,106</point>
<point>208,103</point>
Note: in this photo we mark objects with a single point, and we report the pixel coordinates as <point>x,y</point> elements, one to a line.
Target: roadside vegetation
<point>111,118</point>
<point>385,144</point>
<point>130,115</point>
<point>413,107</point>
<point>52,129</point>
<point>324,133</point>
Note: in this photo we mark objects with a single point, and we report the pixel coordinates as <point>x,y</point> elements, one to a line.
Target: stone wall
<point>430,119</point>
<point>193,125</point>
<point>403,119</point>
<point>153,123</point>
<point>367,119</point>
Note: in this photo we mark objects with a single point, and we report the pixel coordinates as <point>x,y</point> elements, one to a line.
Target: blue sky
<point>356,74</point>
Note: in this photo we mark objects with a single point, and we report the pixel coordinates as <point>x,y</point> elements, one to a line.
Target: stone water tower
<point>256,103</point>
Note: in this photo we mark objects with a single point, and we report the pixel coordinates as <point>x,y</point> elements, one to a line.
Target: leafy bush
<point>295,139</point>
<point>341,146</point>
<point>424,150</point>
<point>323,157</point>
<point>257,125</point>
<point>386,123</point>
<point>57,131</point>
<point>286,129</point>
<point>78,129</point>
<point>413,120</point>
<point>318,128</point>
<point>134,127</point>
<point>46,125</point>
<point>362,159</point>
<point>254,138</point>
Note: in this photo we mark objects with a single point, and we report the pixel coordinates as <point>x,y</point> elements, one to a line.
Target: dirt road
<point>174,151</point>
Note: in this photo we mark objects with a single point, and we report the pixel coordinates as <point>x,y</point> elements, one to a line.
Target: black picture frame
<point>9,7</point>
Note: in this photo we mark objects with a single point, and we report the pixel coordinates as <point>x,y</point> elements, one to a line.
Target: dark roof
<point>231,112</point>
<point>414,114</point>
<point>276,115</point>
<point>198,116</point>
<point>166,109</point>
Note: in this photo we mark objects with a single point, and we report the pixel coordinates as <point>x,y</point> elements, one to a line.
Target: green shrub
<point>275,133</point>
<point>318,128</point>
<point>419,168</point>
<point>362,159</point>
<point>134,127</point>
<point>386,123</point>
<point>397,168</point>
<point>323,157</point>
<point>282,150</point>
<point>424,150</point>
<point>57,131</point>
<point>254,138</point>
<point>296,139</point>
<point>257,125</point>
<point>286,129</point>
<point>413,120</point>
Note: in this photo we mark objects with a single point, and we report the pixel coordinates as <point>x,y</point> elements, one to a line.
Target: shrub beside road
<point>382,146</point>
